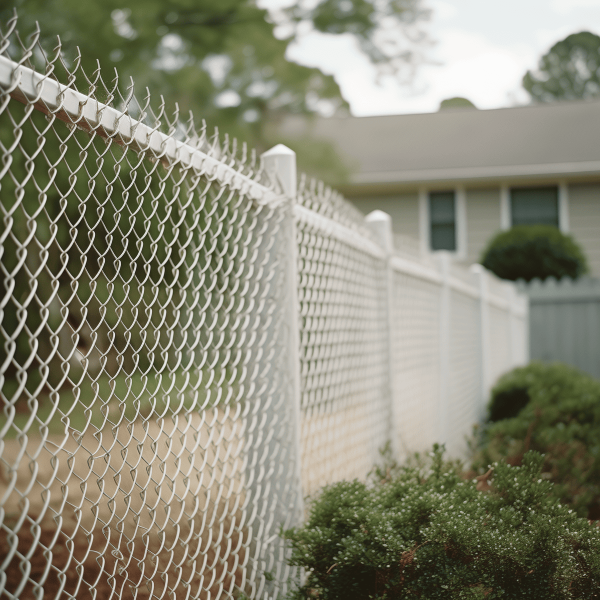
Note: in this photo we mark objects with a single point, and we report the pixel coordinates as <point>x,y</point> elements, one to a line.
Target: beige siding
<point>483,220</point>
<point>403,208</point>
<point>584,221</point>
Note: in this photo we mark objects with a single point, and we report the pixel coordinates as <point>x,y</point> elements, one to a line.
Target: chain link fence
<point>190,345</point>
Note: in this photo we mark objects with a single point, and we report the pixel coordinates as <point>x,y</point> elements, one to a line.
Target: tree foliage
<point>456,102</point>
<point>570,70</point>
<point>220,59</point>
<point>387,32</point>
<point>223,59</point>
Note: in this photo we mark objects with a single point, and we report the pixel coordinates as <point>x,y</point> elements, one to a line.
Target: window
<point>534,206</point>
<point>442,218</point>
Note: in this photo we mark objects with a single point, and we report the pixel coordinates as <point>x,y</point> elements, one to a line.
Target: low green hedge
<point>427,533</point>
<point>561,420</point>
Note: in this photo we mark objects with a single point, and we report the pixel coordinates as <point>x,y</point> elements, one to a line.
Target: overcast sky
<point>484,48</point>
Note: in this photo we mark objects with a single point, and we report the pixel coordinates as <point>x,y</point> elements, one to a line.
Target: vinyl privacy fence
<point>192,343</point>
<point>564,322</point>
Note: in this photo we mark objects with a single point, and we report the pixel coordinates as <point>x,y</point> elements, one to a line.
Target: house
<point>454,178</point>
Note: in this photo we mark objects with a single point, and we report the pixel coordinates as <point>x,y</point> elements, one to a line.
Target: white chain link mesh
<point>330,204</point>
<point>344,352</point>
<point>155,285</point>
<point>464,371</point>
<point>145,389</point>
<point>416,346</point>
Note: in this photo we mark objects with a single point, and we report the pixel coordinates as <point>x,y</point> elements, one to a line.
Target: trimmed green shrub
<point>561,420</point>
<point>427,533</point>
<point>508,403</point>
<point>511,393</point>
<point>534,251</point>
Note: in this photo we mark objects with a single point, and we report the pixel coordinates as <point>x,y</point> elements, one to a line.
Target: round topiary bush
<point>511,394</point>
<point>534,251</point>
<point>508,403</point>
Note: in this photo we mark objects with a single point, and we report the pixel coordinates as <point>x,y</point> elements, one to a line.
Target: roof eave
<point>477,173</point>
<point>470,175</point>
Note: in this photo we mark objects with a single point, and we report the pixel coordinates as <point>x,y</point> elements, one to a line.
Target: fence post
<point>524,305</point>
<point>445,308</point>
<point>511,326</point>
<point>484,333</point>
<point>517,343</point>
<point>380,224</point>
<point>280,161</point>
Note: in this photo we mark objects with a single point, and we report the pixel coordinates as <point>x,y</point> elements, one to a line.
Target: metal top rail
<point>52,98</point>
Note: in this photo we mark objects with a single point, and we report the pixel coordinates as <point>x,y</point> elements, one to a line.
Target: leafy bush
<point>534,251</point>
<point>561,420</point>
<point>511,393</point>
<point>427,533</point>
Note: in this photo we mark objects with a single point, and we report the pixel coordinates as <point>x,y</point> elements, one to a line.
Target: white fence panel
<point>453,335</point>
<point>190,345</point>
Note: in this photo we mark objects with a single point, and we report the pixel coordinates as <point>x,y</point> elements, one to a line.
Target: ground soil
<point>77,568</point>
<point>147,513</point>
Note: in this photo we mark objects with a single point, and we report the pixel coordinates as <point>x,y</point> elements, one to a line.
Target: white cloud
<point>476,61</point>
<point>442,10</point>
<point>546,38</point>
<point>563,7</point>
<point>478,69</point>
<point>471,66</point>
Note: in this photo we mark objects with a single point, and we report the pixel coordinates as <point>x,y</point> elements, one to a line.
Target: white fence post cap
<point>378,215</point>
<point>381,224</point>
<point>279,149</point>
<point>282,161</point>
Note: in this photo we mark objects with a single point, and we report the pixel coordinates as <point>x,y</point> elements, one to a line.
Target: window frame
<point>460,220</point>
<point>506,221</point>
<point>449,223</point>
<point>521,194</point>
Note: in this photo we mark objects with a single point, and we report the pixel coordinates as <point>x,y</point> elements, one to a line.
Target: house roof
<point>560,139</point>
